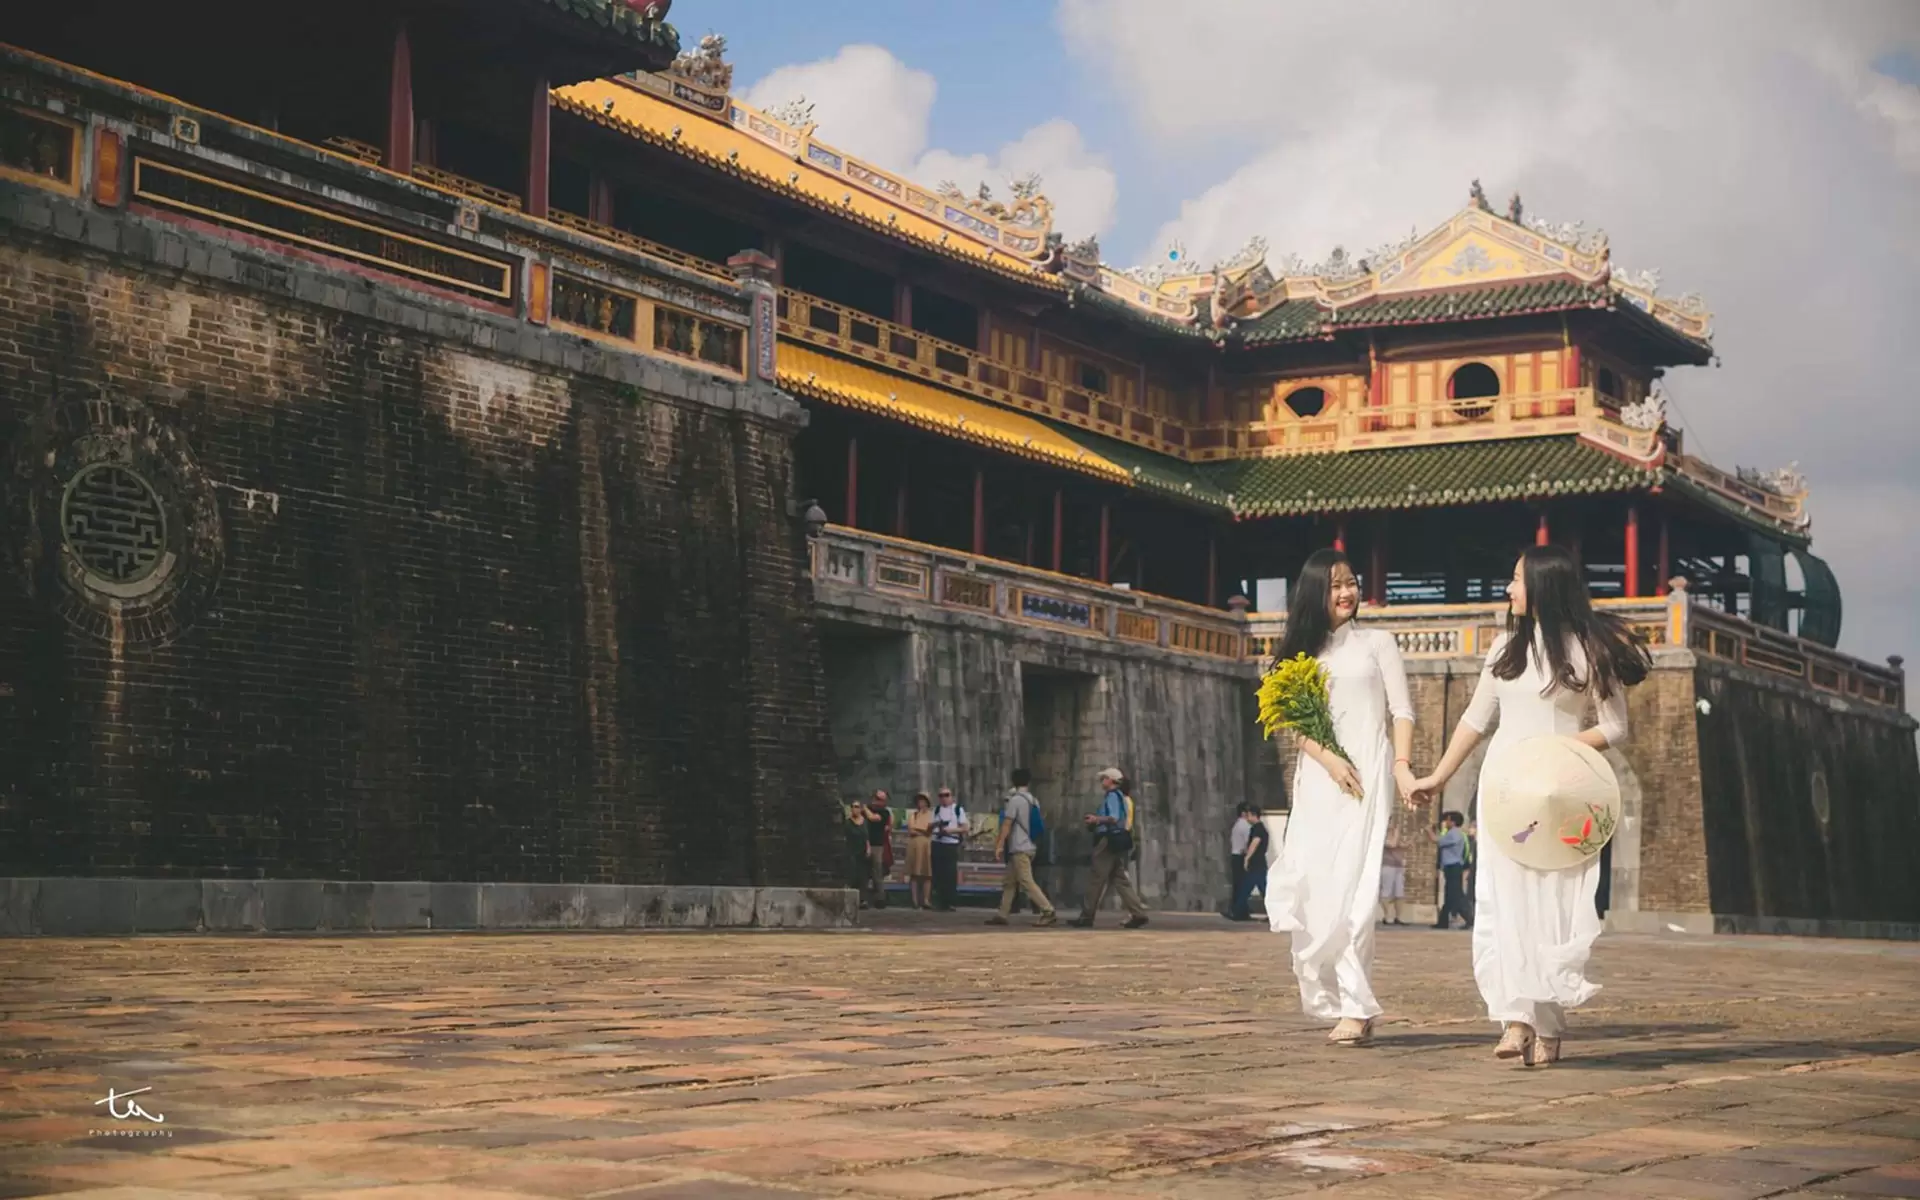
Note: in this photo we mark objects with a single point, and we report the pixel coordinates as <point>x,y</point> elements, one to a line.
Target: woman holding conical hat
<point>1326,885</point>
<point>1557,681</point>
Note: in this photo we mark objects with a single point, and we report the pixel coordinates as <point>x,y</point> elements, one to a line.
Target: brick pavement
<point>929,1057</point>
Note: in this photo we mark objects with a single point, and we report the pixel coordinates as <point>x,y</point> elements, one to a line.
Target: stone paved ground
<point>930,1057</point>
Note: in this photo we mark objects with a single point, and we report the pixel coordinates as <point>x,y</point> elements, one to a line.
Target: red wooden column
<point>1665,566</point>
<point>1571,371</point>
<point>1213,571</point>
<point>853,483</point>
<point>1541,532</point>
<point>400,105</point>
<point>900,508</point>
<point>1633,550</point>
<point>1340,535</point>
<point>903,304</point>
<point>979,511</point>
<point>1106,530</point>
<point>539,148</point>
<point>1059,526</point>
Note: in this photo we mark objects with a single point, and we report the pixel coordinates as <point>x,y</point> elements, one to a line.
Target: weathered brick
<point>475,619</point>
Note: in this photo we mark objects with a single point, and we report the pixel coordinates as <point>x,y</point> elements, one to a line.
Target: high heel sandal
<point>1352,1031</point>
<point>1543,1052</point>
<point>1516,1041</point>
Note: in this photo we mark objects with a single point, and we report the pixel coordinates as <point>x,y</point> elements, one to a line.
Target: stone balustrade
<point>848,559</point>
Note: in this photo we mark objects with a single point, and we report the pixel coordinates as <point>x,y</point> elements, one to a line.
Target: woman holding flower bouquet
<point>1558,662</point>
<point>1342,691</point>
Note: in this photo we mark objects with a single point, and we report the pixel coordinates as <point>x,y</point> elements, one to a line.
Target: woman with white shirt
<point>1558,662</point>
<point>1326,884</point>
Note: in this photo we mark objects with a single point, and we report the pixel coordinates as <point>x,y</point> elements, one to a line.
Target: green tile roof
<point>1093,298</point>
<point>1152,469</point>
<point>1738,511</point>
<point>1424,476</point>
<point>1292,320</point>
<point>623,25</point>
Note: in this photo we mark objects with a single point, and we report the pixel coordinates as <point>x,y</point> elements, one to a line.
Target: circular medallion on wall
<point>119,531</point>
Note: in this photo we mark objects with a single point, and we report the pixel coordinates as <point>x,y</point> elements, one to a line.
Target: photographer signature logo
<point>122,1107</point>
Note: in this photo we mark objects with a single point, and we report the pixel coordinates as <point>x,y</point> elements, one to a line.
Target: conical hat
<point>1549,802</point>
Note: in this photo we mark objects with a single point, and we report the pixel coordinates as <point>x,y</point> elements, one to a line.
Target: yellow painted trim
<point>658,120</point>
<point>840,382</point>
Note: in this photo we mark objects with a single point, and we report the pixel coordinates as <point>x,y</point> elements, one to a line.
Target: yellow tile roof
<point>654,120</point>
<point>836,381</point>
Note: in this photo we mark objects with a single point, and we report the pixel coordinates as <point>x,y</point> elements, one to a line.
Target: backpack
<point>1036,825</point>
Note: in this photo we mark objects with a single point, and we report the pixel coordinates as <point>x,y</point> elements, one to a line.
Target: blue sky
<point>1001,67</point>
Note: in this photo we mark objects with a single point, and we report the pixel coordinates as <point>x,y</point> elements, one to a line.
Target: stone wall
<point>921,699</point>
<point>1811,805</point>
<point>363,585</point>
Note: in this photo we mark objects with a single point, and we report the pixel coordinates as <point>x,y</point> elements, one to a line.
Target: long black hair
<point>1559,608</point>
<point>1309,624</point>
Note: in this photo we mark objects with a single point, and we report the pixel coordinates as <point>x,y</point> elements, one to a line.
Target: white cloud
<point>1081,186</point>
<point>869,103</point>
<point>866,101</point>
<point>1746,147</point>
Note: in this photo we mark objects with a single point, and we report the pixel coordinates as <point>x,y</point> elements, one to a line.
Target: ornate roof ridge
<point>1540,249</point>
<point>701,81</point>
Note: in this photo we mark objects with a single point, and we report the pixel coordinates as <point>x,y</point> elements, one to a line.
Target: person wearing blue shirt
<point>1452,846</point>
<point>1112,828</point>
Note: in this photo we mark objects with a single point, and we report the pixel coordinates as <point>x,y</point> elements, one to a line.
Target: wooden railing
<point>850,561</point>
<point>1468,630</point>
<point>634,242</point>
<point>1528,414</point>
<point>805,318</point>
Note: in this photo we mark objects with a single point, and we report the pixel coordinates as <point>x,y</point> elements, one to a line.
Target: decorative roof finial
<point>1514,211</point>
<point>1478,197</point>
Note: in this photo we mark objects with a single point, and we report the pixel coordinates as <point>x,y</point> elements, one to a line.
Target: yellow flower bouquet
<point>1293,695</point>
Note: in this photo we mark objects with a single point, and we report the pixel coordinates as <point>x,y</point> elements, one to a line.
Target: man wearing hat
<point>1112,828</point>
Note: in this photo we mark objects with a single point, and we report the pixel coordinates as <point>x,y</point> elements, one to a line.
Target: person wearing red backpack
<point>1020,834</point>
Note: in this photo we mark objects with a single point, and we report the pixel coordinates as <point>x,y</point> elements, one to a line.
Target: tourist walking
<point>1327,883</point>
<point>1393,879</point>
<point>1450,857</point>
<point>1112,827</point>
<point>1253,866</point>
<point>1558,662</point>
<point>949,831</point>
<point>1237,852</point>
<point>920,851</point>
<point>877,819</point>
<point>1019,828</point>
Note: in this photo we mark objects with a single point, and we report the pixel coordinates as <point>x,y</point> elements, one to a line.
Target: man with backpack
<point>1021,831</point>
<point>1112,829</point>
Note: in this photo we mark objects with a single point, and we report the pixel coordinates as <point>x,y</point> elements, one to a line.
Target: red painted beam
<point>853,483</point>
<point>539,148</point>
<point>400,105</point>
<point>1633,550</point>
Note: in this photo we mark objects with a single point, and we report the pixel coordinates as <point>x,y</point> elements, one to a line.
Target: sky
<point>1761,153</point>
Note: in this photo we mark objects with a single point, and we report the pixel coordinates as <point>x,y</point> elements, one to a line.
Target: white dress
<point>1325,887</point>
<point>1533,930</point>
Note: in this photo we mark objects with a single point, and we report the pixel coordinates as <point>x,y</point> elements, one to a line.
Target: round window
<point>1307,401</point>
<point>113,522</point>
<point>1471,388</point>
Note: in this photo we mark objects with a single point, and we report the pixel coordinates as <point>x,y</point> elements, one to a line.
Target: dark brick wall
<point>1811,805</point>
<point>471,617</point>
